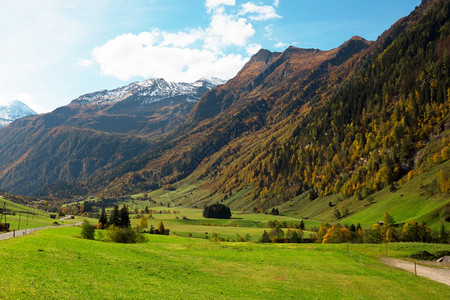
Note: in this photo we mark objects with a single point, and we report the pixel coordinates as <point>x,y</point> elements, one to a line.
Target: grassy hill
<point>418,199</point>
<point>55,264</point>
<point>415,200</point>
<point>29,218</point>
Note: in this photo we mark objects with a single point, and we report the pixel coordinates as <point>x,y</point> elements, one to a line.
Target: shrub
<point>124,235</point>
<point>87,231</point>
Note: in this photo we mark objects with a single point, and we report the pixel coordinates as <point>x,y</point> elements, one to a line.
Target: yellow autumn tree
<point>337,234</point>
<point>143,223</point>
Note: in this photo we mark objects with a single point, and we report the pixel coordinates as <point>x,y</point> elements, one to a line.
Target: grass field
<point>54,264</point>
<point>199,227</point>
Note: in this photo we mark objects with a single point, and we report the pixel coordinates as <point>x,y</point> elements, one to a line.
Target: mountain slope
<point>95,131</point>
<point>246,103</point>
<point>350,124</point>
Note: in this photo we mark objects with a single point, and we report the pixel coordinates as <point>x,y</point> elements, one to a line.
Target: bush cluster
<point>217,211</point>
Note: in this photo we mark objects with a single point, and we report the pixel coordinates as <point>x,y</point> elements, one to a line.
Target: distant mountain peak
<point>149,91</point>
<point>13,111</point>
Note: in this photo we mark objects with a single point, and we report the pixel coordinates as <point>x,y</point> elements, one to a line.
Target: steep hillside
<point>351,120</point>
<point>371,131</point>
<point>60,154</point>
<point>246,103</point>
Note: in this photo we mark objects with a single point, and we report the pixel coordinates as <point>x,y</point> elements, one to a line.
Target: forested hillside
<point>353,120</point>
<point>389,119</point>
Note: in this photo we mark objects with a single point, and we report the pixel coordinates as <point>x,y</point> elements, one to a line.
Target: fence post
<point>14,233</point>
<point>415,268</point>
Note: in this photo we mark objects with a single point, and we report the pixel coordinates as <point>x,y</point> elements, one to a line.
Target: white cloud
<point>211,4</point>
<point>85,62</point>
<point>131,55</point>
<point>276,3</point>
<point>182,39</point>
<point>259,12</point>
<point>187,55</point>
<point>280,45</point>
<point>226,30</point>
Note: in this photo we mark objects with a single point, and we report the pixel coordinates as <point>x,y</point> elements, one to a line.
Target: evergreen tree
<point>103,219</point>
<point>302,225</point>
<point>124,217</point>
<point>161,227</point>
<point>443,235</point>
<point>114,218</point>
<point>265,238</point>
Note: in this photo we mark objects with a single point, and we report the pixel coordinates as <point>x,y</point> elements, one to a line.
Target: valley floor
<point>56,263</point>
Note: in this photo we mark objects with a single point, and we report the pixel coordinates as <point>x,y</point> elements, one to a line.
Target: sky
<point>52,51</point>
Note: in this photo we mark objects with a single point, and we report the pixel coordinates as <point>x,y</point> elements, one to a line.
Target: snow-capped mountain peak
<point>14,110</point>
<point>150,91</point>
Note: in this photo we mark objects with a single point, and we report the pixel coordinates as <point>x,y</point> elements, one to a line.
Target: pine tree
<point>443,234</point>
<point>103,219</point>
<point>114,218</point>
<point>302,225</point>
<point>124,217</point>
<point>265,238</point>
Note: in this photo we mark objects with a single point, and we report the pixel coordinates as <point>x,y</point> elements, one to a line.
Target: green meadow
<point>196,226</point>
<point>57,264</point>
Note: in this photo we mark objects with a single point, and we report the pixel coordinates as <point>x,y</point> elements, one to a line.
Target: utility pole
<point>20,217</point>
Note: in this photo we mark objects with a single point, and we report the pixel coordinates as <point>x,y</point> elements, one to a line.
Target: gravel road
<point>439,274</point>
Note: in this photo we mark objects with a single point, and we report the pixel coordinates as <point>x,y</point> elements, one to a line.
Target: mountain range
<point>95,130</point>
<point>348,121</point>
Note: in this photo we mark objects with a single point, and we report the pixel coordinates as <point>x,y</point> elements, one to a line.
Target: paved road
<point>22,232</point>
<point>439,274</point>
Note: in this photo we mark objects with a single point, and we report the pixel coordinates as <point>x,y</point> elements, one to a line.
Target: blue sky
<point>52,51</point>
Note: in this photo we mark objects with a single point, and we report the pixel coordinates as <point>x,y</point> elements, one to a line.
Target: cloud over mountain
<point>214,50</point>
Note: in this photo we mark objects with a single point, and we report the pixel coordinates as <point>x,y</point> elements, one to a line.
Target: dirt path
<point>22,232</point>
<point>441,275</point>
